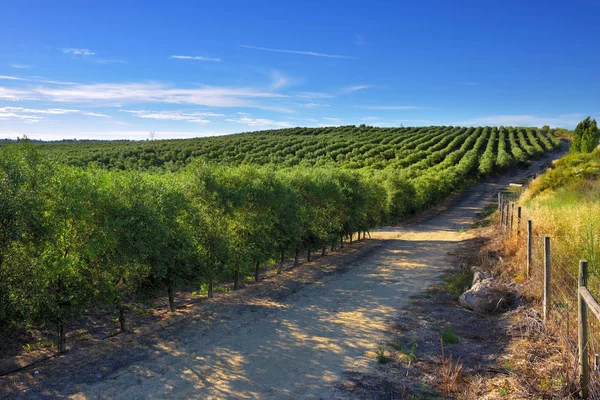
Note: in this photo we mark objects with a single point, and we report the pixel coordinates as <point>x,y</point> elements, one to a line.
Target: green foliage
<point>585,137</point>
<point>125,219</point>
<point>381,355</point>
<point>449,337</point>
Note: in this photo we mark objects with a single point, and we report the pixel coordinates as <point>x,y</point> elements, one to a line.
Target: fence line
<point>567,288</point>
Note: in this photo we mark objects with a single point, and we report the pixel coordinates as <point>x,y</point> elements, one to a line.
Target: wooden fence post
<point>546,276</point>
<point>501,208</point>
<point>512,217</point>
<point>518,219</point>
<point>584,371</point>
<point>529,240</point>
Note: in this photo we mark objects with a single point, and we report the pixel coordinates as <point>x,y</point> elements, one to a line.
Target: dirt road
<point>294,346</point>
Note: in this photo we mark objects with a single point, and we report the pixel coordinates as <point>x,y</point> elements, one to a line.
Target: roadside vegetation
<point>121,221</point>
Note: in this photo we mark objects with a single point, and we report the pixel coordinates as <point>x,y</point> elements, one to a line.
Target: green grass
<point>457,281</point>
<point>449,337</point>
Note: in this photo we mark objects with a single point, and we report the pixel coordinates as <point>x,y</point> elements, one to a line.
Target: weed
<point>458,281</point>
<point>382,358</point>
<point>449,337</point>
<point>40,344</point>
<point>143,312</point>
<point>83,334</point>
<point>450,371</point>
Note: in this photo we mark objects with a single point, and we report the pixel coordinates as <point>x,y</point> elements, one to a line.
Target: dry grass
<point>450,371</point>
<point>536,363</point>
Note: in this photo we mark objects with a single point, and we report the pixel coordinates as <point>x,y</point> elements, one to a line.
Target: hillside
<point>345,146</point>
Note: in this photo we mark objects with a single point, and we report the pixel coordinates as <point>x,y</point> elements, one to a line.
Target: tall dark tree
<point>585,137</point>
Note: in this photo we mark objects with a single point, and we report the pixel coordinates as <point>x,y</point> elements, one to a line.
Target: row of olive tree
<point>72,238</point>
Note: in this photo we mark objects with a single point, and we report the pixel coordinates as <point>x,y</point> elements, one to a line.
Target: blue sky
<point>121,69</point>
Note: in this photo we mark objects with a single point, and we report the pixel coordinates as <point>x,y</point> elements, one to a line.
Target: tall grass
<point>565,204</point>
<point>571,216</point>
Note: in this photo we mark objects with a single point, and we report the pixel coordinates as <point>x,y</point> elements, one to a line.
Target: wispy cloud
<point>196,58</point>
<point>12,78</point>
<point>131,93</point>
<point>355,88</point>
<point>21,66</point>
<point>43,133</point>
<point>392,108</point>
<point>31,115</point>
<point>470,83</point>
<point>312,95</point>
<point>196,117</point>
<point>78,52</point>
<point>360,40</point>
<point>15,94</point>
<point>311,105</point>
<point>260,122</point>
<point>304,53</point>
<point>336,120</point>
<point>35,79</point>
<point>565,120</point>
<point>279,79</point>
<point>111,62</point>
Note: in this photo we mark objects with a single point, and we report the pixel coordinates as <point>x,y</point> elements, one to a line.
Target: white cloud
<point>44,134</point>
<point>12,78</point>
<point>312,95</point>
<point>35,79</point>
<point>21,66</point>
<point>260,122</point>
<point>337,120</point>
<point>78,52</point>
<point>34,115</point>
<point>392,108</point>
<point>355,88</point>
<point>196,117</point>
<point>565,120</point>
<point>15,94</point>
<point>197,58</point>
<point>120,93</point>
<point>111,62</point>
<point>311,105</point>
<point>279,79</point>
<point>470,83</point>
<point>305,53</point>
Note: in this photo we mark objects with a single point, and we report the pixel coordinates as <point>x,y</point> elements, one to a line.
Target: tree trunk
<point>62,339</point>
<point>324,251</point>
<point>296,256</point>
<point>171,297</point>
<point>122,318</point>
<point>236,279</point>
<point>211,286</point>
<point>369,234</point>
<point>308,256</point>
<point>280,268</point>
<point>256,272</point>
<point>351,238</point>
<point>341,241</point>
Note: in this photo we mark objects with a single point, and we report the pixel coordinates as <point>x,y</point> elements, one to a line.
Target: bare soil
<point>312,332</point>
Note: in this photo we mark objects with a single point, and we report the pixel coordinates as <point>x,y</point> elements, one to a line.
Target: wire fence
<point>554,277</point>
